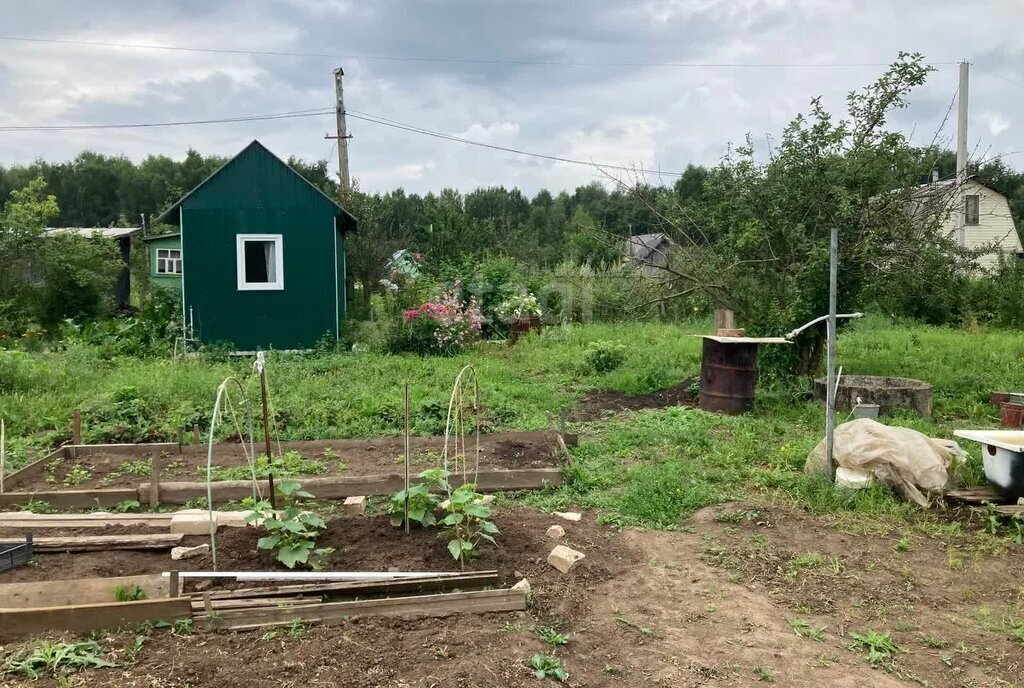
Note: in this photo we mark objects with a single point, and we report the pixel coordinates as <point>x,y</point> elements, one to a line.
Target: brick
<point>569,515</point>
<point>523,585</point>
<point>564,558</point>
<point>555,532</point>
<point>232,519</point>
<point>355,506</point>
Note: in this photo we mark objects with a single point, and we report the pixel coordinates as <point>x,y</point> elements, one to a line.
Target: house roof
<point>168,215</point>
<point>105,232</point>
<point>641,246</point>
<point>169,235</point>
<point>944,185</point>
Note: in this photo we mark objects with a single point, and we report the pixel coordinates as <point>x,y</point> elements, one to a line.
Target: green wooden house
<point>259,256</point>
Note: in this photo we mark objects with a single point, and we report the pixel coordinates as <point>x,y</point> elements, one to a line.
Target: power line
<point>384,121</point>
<point>249,118</point>
<point>999,76</point>
<point>456,60</point>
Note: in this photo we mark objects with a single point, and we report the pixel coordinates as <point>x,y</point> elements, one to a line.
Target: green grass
<point>651,468</point>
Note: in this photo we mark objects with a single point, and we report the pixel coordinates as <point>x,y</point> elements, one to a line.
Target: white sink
<point>1003,457</point>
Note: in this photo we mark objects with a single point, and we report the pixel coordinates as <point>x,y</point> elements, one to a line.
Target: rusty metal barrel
<point>728,376</point>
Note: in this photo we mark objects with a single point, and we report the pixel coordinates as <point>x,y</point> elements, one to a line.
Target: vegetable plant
<point>546,666</point>
<point>422,499</point>
<point>292,531</point>
<point>129,593</point>
<point>467,523</point>
<point>55,658</point>
<point>879,645</point>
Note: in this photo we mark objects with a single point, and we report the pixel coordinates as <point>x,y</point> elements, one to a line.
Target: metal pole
<point>830,396</point>
<point>961,123</point>
<point>262,367</point>
<point>406,458</point>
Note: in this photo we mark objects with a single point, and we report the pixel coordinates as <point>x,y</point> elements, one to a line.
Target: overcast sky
<point>659,117</point>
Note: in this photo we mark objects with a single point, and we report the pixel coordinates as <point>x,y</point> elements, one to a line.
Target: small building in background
<point>974,214</point>
<point>259,256</point>
<point>123,236</point>
<point>650,252</point>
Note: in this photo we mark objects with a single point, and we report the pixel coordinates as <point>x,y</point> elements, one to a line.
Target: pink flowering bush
<point>444,326</point>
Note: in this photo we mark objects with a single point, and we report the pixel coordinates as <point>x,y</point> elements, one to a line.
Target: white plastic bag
<point>908,461</point>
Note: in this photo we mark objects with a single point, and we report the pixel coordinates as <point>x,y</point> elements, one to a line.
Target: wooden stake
<point>3,439</point>
<point>196,437</point>
<point>406,458</point>
<point>174,588</point>
<point>154,483</point>
<point>181,438</point>
<point>207,603</point>
<point>76,427</point>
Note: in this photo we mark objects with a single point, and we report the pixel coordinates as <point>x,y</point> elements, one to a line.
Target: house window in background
<point>168,261</point>
<point>260,262</point>
<point>972,211</point>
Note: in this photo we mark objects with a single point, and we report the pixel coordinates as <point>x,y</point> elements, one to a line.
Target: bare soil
<point>601,403</point>
<point>507,450</point>
<point>712,607</point>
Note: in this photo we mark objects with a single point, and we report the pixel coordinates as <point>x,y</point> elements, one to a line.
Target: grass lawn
<point>652,467</point>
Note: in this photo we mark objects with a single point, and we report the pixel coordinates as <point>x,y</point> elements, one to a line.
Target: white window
<point>168,261</point>
<point>260,261</point>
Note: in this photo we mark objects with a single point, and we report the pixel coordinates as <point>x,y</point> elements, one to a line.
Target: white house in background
<point>977,216</point>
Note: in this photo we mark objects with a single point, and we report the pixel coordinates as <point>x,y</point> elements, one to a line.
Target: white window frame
<point>240,241</point>
<point>169,262</point>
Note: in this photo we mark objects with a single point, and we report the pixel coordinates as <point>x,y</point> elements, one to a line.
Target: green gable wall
<point>258,194</point>
<point>164,281</point>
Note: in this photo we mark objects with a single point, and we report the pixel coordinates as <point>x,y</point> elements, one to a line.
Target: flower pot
<point>1011,415</point>
<point>521,326</point>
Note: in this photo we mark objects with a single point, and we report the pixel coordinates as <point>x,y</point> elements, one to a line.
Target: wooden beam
<point>30,521</point>
<point>77,591</point>
<point>18,623</point>
<point>27,474</point>
<point>154,482</point>
<point>153,448</point>
<point>360,588</point>
<point>339,487</point>
<point>72,499</point>
<point>340,612</point>
<point>92,543</point>
<point>252,603</point>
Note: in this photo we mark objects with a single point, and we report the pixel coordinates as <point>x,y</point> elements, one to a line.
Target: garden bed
<point>100,468</point>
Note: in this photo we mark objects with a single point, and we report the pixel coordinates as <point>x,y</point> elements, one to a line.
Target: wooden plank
<point>77,591</point>
<point>17,623</point>
<point>360,588</point>
<point>27,474</point>
<point>977,495</point>
<point>338,487</point>
<point>154,482</point>
<point>29,521</point>
<point>72,499</point>
<point>254,603</point>
<point>91,543</point>
<point>443,604</point>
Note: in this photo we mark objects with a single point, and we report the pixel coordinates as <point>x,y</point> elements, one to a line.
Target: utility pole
<point>961,124</point>
<point>342,135</point>
<point>961,155</point>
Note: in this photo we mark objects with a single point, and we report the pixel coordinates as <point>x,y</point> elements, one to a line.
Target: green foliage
<point>49,658</point>
<point>879,645</point>
<point>293,531</point>
<point>423,500</point>
<point>764,674</point>
<point>546,666</point>
<point>551,636</point>
<point>604,357</point>
<point>129,593</point>
<point>36,506</point>
<point>804,629</point>
<point>467,523</point>
<point>288,465</point>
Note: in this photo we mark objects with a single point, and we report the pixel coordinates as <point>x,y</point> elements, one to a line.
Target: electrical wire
<point>249,118</point>
<point>384,121</point>
<point>457,60</point>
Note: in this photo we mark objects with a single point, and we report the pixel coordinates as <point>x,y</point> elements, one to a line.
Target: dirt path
<point>713,607</point>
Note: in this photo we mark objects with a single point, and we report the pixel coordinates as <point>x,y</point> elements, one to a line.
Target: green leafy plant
<point>804,630</point>
<point>604,356</point>
<point>292,531</point>
<point>764,674</point>
<point>422,499</point>
<point>467,523</point>
<point>183,627</point>
<point>550,636</point>
<point>546,666</point>
<point>1017,630</point>
<point>129,593</point>
<point>291,464</point>
<point>48,658</point>
<point>36,506</point>
<point>132,651</point>
<point>126,506</point>
<point>879,644</point>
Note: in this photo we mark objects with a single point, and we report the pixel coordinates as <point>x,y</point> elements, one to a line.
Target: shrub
<point>603,356</point>
<point>444,327</point>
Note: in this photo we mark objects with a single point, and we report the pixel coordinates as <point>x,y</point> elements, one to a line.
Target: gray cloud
<point>661,118</point>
